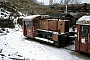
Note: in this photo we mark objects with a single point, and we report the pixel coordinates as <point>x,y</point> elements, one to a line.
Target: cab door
<point>84,38</point>
<point>89,41</point>
<point>24,29</point>
<point>77,44</point>
<point>29,29</point>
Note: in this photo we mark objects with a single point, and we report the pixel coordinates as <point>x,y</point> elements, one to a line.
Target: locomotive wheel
<point>57,44</point>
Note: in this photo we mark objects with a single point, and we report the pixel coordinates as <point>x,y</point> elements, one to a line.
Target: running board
<point>43,39</point>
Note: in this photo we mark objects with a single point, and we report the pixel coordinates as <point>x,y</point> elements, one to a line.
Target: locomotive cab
<point>30,25</point>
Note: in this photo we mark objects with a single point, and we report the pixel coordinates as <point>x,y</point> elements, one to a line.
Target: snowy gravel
<point>15,46</point>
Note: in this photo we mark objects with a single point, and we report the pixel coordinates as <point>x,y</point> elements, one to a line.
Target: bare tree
<point>74,1</point>
<point>61,2</point>
<point>35,1</point>
<point>41,3</point>
<point>70,1</point>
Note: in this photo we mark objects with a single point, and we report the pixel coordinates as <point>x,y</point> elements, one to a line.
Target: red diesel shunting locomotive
<point>51,30</point>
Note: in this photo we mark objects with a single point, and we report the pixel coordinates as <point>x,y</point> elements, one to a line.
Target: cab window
<point>35,22</point>
<point>28,24</point>
<point>85,30</point>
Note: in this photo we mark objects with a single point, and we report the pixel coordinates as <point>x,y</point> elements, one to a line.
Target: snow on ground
<point>15,46</point>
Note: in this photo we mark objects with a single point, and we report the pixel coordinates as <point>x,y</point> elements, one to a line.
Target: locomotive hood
<point>84,20</point>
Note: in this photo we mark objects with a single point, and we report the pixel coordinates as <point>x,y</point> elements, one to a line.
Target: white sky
<point>46,2</point>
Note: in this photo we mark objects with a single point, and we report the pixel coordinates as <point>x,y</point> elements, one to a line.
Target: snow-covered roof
<point>84,20</point>
<point>30,18</point>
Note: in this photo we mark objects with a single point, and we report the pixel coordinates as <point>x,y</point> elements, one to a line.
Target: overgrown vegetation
<point>6,23</point>
<point>26,7</point>
<point>29,7</point>
<point>20,7</point>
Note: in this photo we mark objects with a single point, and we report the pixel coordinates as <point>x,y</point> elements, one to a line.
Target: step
<point>43,39</point>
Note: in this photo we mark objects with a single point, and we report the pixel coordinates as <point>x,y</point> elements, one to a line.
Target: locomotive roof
<point>30,18</point>
<point>84,20</point>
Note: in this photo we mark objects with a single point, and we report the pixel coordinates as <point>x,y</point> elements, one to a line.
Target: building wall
<point>74,8</point>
